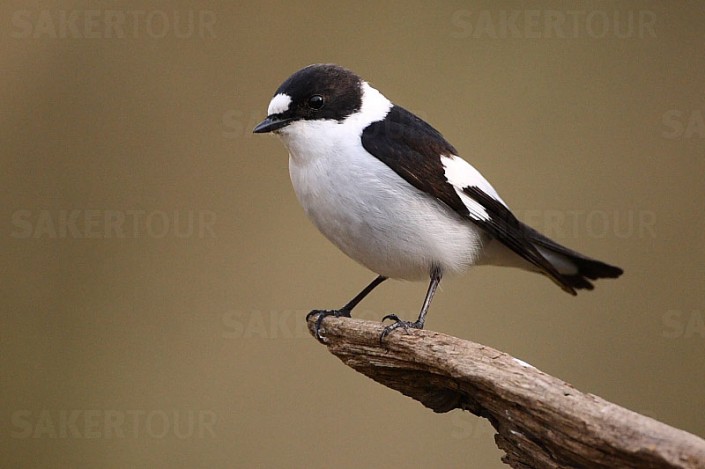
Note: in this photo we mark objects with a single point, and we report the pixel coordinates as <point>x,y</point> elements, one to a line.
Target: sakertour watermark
<point>273,324</point>
<point>112,24</point>
<point>237,123</point>
<point>113,424</point>
<point>553,24</point>
<point>283,324</point>
<point>112,224</point>
<point>591,223</point>
<point>683,324</point>
<point>683,124</point>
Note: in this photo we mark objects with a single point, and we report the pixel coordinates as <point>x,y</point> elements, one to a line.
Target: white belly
<point>377,218</point>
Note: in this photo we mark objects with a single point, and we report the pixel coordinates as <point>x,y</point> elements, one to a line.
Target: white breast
<point>367,210</point>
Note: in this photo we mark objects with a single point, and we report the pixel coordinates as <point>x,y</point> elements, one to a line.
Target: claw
<point>391,316</point>
<point>323,314</point>
<point>398,323</point>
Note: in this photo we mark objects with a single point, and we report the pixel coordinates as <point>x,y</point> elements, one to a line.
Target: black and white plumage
<point>388,190</point>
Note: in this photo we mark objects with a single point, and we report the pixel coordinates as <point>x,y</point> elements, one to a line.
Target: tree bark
<point>541,421</point>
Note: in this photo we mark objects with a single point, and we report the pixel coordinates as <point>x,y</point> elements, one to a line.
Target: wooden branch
<point>541,421</point>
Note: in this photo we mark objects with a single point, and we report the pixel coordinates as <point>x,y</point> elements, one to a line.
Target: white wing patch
<point>460,174</point>
<point>279,104</point>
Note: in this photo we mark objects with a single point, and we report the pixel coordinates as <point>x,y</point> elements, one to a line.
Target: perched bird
<point>390,192</point>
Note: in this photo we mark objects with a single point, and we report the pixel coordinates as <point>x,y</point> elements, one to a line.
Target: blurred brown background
<point>156,267</point>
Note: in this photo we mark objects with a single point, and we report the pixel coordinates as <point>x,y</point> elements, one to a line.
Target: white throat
<point>311,139</point>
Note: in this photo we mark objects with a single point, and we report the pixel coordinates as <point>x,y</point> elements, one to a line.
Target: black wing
<point>413,149</point>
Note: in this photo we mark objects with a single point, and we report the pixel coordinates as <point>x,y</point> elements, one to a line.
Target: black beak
<point>271,124</point>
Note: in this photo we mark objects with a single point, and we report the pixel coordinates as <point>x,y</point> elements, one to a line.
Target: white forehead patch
<point>278,104</point>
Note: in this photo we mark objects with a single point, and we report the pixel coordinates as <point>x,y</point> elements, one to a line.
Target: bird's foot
<point>398,323</point>
<point>324,313</point>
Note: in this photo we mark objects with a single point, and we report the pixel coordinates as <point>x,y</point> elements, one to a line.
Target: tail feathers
<point>576,269</point>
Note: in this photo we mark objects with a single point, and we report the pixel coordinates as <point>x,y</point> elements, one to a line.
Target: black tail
<point>576,270</point>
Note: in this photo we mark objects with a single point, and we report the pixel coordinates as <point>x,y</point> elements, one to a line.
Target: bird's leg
<point>345,310</point>
<point>435,280</point>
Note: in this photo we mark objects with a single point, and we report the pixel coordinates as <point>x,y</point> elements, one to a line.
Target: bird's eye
<point>316,102</point>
